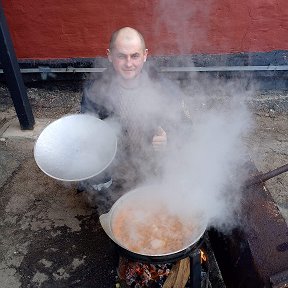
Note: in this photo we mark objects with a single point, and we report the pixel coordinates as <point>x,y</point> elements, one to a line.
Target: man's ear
<point>108,52</point>
<point>145,54</point>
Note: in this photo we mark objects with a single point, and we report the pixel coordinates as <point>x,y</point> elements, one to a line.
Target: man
<point>127,52</point>
<point>141,104</point>
<point>133,98</point>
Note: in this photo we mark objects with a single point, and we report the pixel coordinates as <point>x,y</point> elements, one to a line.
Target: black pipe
<point>195,269</point>
<point>13,76</point>
<point>266,176</point>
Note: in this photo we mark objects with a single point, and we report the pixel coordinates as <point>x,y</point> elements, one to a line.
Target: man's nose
<point>128,61</point>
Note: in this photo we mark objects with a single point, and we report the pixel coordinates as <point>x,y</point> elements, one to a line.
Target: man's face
<point>128,57</point>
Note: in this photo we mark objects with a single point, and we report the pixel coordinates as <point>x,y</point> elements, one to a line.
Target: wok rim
<point>163,258</point>
<point>202,228</point>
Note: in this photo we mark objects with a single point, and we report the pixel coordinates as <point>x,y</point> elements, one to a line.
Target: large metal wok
<point>75,147</point>
<point>142,199</point>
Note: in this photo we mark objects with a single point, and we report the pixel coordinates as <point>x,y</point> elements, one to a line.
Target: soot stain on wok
<point>88,247</point>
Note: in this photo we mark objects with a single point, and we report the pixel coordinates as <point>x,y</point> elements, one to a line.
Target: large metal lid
<point>75,147</point>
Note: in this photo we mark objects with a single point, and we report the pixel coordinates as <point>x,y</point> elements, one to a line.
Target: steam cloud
<point>174,18</point>
<point>205,166</point>
<point>206,169</point>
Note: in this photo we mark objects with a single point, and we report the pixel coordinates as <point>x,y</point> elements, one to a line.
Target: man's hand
<point>159,140</point>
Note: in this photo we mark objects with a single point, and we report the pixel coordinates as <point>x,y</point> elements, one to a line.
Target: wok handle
<point>266,176</point>
<point>105,223</point>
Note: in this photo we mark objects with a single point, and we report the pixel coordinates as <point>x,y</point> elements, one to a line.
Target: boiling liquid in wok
<point>152,232</point>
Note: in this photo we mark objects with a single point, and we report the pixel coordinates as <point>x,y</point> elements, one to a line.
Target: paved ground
<point>50,235</point>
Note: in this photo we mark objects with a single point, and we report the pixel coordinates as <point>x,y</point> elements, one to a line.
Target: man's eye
<point>121,56</point>
<point>135,56</point>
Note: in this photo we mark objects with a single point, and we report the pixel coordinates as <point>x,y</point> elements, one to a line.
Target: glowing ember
<point>136,274</point>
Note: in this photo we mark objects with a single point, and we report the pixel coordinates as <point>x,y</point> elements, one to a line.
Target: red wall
<point>49,29</point>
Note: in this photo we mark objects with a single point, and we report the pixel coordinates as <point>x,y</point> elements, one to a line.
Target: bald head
<point>128,35</point>
<point>127,53</point>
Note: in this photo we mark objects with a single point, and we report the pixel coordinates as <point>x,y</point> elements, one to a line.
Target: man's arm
<point>93,101</point>
<point>88,106</point>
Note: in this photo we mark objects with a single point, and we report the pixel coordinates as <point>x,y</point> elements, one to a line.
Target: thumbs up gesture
<point>159,140</point>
